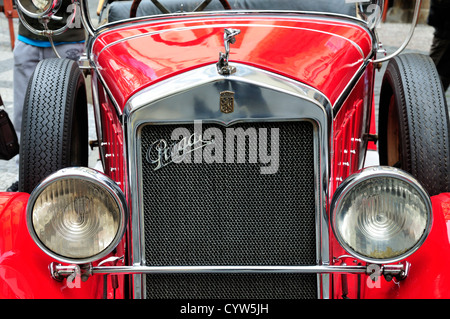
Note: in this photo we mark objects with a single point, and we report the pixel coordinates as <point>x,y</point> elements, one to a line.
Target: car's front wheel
<point>413,122</point>
<point>55,126</point>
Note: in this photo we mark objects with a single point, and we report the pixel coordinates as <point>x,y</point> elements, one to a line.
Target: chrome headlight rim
<point>52,7</point>
<point>86,174</point>
<point>364,175</point>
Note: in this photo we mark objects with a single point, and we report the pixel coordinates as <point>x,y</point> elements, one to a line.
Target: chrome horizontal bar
<point>388,269</point>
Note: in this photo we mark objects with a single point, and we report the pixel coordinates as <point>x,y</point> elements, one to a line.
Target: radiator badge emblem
<point>228,38</point>
<point>227,102</point>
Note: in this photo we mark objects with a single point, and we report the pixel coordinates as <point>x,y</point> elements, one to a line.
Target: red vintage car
<point>232,137</point>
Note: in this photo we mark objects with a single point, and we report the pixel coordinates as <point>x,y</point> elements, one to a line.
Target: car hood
<point>324,53</point>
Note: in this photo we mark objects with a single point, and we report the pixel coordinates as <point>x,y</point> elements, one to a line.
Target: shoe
<point>14,187</point>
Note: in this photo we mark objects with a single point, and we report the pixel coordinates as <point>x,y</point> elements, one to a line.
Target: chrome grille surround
<point>148,107</point>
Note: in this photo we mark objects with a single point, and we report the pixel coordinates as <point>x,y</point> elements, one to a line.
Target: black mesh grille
<point>230,214</point>
<point>232,286</point>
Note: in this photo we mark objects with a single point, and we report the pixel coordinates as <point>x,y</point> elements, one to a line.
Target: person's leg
<point>70,51</point>
<point>26,57</point>
<point>440,54</point>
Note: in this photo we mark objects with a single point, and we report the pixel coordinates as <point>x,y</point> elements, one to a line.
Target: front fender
<point>428,277</point>
<point>24,271</point>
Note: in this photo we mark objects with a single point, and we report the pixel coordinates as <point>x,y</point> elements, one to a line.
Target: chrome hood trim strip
<point>244,73</point>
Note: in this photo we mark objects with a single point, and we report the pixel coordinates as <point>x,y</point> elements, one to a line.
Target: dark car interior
<point>119,10</point>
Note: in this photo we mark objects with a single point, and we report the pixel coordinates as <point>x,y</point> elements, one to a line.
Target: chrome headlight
<point>381,214</point>
<point>39,8</point>
<point>77,215</point>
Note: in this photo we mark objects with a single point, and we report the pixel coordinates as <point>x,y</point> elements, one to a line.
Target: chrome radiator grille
<point>231,214</point>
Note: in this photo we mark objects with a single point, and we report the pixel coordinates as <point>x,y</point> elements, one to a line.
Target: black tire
<point>54,126</point>
<point>413,122</point>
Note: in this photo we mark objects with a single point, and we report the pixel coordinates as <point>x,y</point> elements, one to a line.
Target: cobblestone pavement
<point>390,35</point>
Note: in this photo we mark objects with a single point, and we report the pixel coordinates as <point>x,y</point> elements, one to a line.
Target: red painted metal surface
<point>114,164</point>
<point>319,52</point>
<point>350,125</point>
<point>428,278</point>
<point>24,272</point>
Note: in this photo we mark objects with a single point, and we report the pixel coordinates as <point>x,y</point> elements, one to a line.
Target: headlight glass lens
<point>38,8</point>
<point>40,5</point>
<point>382,218</point>
<point>76,218</point>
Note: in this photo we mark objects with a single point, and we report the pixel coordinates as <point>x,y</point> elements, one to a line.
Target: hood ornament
<point>228,38</point>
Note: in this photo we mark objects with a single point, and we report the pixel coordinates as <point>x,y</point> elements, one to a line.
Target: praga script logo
<point>215,145</point>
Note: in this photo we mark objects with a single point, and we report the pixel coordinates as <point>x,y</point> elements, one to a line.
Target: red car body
<point>327,53</point>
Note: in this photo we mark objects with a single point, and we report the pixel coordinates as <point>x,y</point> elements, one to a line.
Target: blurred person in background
<point>439,18</point>
<point>30,49</point>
